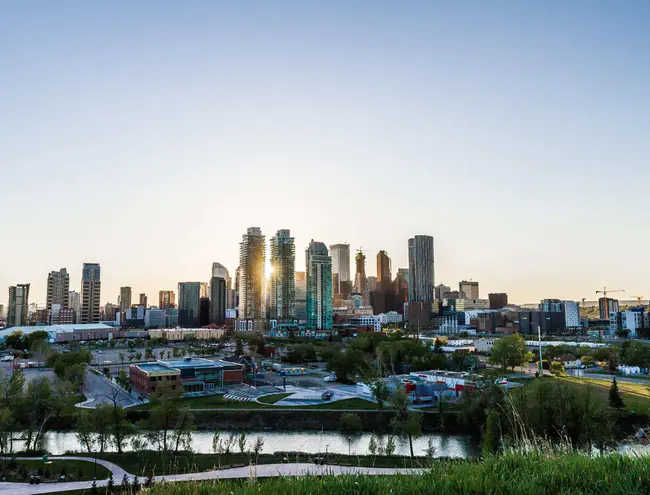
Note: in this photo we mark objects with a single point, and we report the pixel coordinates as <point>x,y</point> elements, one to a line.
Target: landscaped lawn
<point>272,399</point>
<point>345,404</point>
<point>73,470</point>
<point>635,395</point>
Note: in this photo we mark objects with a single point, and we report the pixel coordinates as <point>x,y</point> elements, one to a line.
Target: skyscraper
<point>340,254</point>
<point>252,252</point>
<point>58,289</point>
<point>440,290</point>
<point>283,277</point>
<point>75,304</point>
<point>18,305</point>
<point>124,301</point>
<point>301,296</point>
<point>360,280</point>
<point>384,281</point>
<point>421,269</point>
<point>91,286</point>
<point>189,303</point>
<point>218,293</point>
<point>319,286</point>
<point>469,288</point>
<point>166,299</point>
<point>143,300</point>
<point>205,290</point>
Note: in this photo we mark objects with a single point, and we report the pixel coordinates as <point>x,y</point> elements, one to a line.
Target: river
<point>309,442</point>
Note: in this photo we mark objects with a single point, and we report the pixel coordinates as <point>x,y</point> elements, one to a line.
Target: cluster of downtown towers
<point>286,297</point>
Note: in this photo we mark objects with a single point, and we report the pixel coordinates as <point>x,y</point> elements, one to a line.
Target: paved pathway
<point>260,471</point>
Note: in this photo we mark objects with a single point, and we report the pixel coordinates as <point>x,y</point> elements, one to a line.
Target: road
<point>246,472</point>
<point>599,376</point>
<point>99,390</point>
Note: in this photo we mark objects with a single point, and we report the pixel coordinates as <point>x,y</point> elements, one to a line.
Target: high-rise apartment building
<point>218,293</point>
<point>110,312</point>
<point>319,286</point>
<point>371,281</point>
<point>91,286</point>
<point>301,296</point>
<point>498,300</point>
<point>124,301</point>
<point>421,269</point>
<point>469,288</point>
<point>75,304</point>
<point>143,300</point>
<point>252,253</point>
<point>384,280</point>
<point>401,288</point>
<point>166,299</point>
<point>360,279</point>
<point>18,305</point>
<point>58,289</point>
<point>282,293</point>
<point>189,304</point>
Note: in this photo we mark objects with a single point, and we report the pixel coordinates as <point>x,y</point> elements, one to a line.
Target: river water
<point>309,442</point>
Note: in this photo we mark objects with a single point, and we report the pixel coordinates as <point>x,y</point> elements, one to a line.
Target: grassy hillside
<point>507,474</point>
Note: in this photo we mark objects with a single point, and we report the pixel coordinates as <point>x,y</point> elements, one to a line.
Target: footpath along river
<point>309,442</point>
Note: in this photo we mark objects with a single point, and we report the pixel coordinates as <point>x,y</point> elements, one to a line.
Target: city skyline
<point>494,127</point>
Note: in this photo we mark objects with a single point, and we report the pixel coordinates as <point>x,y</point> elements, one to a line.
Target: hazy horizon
<point>149,136</point>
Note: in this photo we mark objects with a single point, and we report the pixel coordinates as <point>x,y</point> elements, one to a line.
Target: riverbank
<point>520,474</point>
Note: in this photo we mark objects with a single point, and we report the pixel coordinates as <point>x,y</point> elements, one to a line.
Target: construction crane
<point>604,292</point>
<point>640,299</point>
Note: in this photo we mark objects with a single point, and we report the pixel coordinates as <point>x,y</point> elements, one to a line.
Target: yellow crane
<point>604,292</point>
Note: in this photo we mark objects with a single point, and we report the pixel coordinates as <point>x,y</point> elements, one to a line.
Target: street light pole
<point>539,340</point>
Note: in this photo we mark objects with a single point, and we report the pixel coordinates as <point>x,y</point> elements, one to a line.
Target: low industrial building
<point>75,332</point>
<point>197,376</point>
<point>178,334</point>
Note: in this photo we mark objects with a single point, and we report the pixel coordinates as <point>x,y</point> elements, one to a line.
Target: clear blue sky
<point>148,136</point>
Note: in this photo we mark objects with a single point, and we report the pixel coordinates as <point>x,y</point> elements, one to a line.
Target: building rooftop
<point>55,329</point>
<point>154,367</point>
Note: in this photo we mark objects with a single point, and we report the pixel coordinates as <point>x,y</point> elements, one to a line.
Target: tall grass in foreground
<point>509,473</point>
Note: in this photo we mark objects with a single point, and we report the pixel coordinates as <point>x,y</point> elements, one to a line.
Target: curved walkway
<point>245,472</point>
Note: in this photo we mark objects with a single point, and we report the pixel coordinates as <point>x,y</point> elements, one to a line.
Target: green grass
<point>345,404</point>
<point>272,399</point>
<point>635,395</point>
<point>531,474</point>
<point>142,463</point>
<point>53,470</point>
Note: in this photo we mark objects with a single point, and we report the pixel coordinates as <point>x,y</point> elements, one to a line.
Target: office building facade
<point>189,304</point>
<point>166,299</point>
<point>607,305</point>
<point>470,289</point>
<point>340,254</point>
<point>124,300</point>
<point>301,296</point>
<point>498,300</point>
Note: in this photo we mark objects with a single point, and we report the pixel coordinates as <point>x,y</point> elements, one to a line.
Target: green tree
<point>379,391</point>
<point>557,369</point>
<point>165,404</point>
<point>510,351</point>
<point>345,364</point>
<point>406,423</point>
<point>437,346</point>
<point>491,439</point>
<point>615,399</point>
<point>242,442</point>
<point>85,430</point>
<point>239,347</point>
<point>351,422</point>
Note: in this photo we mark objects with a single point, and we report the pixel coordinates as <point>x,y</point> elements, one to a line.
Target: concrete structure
<point>461,305</point>
<point>635,321</point>
<point>189,302</point>
<point>440,291</point>
<point>366,321</point>
<point>301,297</point>
<point>252,254</point>
<point>91,286</point>
<point>421,269</point>
<point>71,333</point>
<point>498,300</point>
<point>469,288</point>
<point>340,254</point>
<point>319,286</point>
<point>197,376</point>
<point>58,289</point>
<point>18,305</point>
<point>155,318</point>
<point>143,300</point>
<point>110,312</point>
<point>75,304</point>
<point>360,279</point>
<point>607,305</point>
<point>282,292</point>
<point>166,299</point>
<point>124,301</point>
<point>390,317</point>
<point>180,334</point>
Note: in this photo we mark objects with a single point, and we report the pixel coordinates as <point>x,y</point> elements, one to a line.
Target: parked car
<point>330,378</point>
<point>327,395</point>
